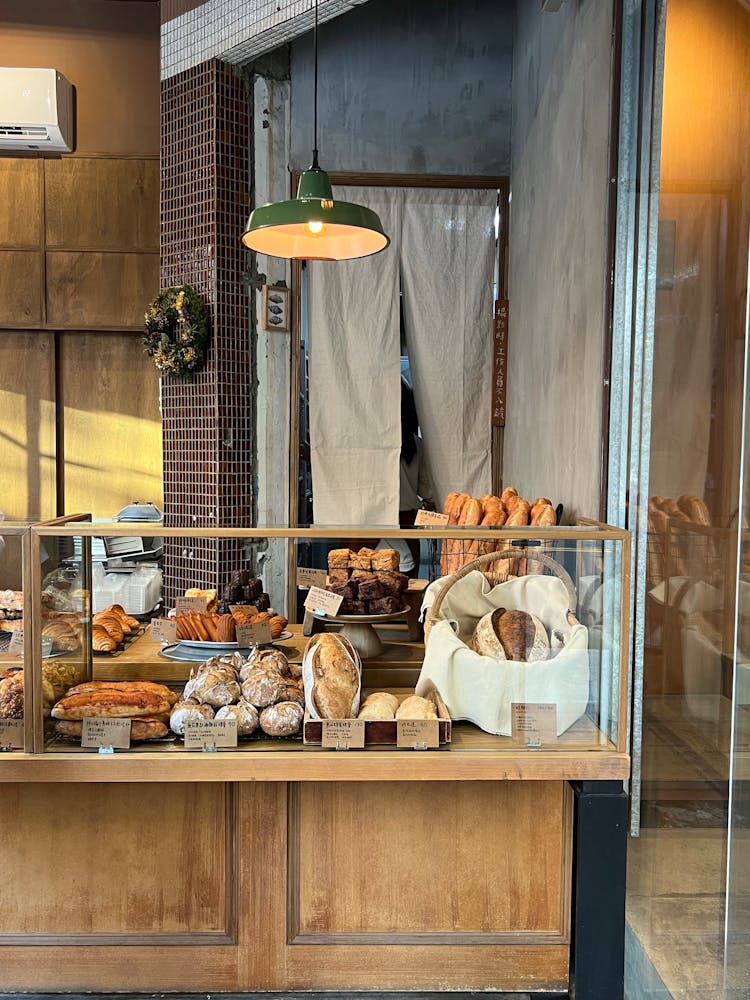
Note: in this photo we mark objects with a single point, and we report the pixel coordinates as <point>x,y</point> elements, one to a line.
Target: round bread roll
<point>283,719</point>
<point>188,711</point>
<point>383,696</point>
<point>511,635</point>
<point>215,687</point>
<point>245,714</point>
<point>376,710</point>
<point>294,693</point>
<point>416,708</point>
<point>263,687</point>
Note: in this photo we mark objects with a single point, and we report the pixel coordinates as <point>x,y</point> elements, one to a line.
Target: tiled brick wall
<point>207,424</point>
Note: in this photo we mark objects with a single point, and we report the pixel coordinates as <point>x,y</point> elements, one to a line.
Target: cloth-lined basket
<point>482,689</point>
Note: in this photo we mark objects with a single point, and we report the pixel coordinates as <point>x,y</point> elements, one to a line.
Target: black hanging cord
<point>315,93</point>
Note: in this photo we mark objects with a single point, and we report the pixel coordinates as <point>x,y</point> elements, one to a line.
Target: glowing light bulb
<point>315,227</point>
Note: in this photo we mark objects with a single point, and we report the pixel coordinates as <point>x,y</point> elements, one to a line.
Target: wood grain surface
<point>20,289</point>
<point>99,291</point>
<point>20,185</point>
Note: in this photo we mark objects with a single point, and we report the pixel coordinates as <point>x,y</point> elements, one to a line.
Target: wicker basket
<point>488,565</point>
<point>483,689</point>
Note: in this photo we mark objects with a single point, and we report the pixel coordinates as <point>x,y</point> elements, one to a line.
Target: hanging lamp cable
<point>315,165</point>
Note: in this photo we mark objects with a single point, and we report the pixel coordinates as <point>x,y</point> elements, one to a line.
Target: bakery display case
<point>251,742</point>
<point>521,650</point>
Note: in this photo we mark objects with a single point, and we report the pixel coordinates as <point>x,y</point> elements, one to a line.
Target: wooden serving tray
<point>380,732</point>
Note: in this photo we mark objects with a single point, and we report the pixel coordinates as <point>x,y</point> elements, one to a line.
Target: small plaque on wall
<point>275,308</point>
<point>499,362</point>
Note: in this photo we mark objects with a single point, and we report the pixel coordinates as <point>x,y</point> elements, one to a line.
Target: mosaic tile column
<point>207,424</point>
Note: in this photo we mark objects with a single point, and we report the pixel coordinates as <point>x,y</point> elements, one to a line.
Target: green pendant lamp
<point>313,226</point>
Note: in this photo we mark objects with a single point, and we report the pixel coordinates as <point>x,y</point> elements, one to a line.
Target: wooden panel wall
<point>78,266</point>
<point>138,863</point>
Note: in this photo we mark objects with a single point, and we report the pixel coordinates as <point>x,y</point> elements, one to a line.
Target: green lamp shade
<point>313,226</point>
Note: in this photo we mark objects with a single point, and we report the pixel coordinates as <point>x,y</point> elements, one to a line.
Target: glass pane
<point>678,865</point>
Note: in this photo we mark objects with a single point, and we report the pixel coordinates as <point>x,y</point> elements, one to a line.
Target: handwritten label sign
<point>258,633</point>
<point>245,609</point>
<point>16,643</point>
<point>343,734</point>
<point>184,605</point>
<point>417,734</point>
<point>164,630</point>
<point>11,734</point>
<point>210,732</point>
<point>323,600</point>
<point>533,723</point>
<point>307,577</point>
<point>106,733</point>
<point>431,519</point>
<point>499,362</point>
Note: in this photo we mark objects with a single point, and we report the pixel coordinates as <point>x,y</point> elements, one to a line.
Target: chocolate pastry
<point>383,606</point>
<point>262,602</point>
<point>348,590</point>
<point>371,590</point>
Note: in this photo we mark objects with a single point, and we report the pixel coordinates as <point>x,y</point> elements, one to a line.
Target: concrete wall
<point>408,86</point>
<point>558,227</point>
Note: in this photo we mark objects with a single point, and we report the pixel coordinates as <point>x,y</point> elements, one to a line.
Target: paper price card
<point>245,609</point>
<point>210,732</point>
<point>256,634</point>
<point>307,577</point>
<point>11,734</point>
<point>106,733</point>
<point>16,643</point>
<point>323,600</point>
<point>430,518</point>
<point>164,630</point>
<point>183,605</point>
<point>344,734</point>
<point>533,724</point>
<point>417,734</point>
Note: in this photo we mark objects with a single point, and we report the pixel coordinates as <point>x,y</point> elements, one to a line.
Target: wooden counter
<point>283,867</point>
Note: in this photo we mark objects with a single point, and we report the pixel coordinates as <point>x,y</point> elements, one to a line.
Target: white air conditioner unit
<point>36,110</point>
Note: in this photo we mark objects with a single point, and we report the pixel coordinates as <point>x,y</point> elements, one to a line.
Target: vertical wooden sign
<point>499,362</point>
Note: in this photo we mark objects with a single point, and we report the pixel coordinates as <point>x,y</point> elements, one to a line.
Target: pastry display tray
<point>192,652</point>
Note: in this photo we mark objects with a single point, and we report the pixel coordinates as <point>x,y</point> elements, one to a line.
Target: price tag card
<point>210,732</point>
<point>432,519</point>
<point>323,600</point>
<point>532,723</point>
<point>307,577</point>
<point>182,605</point>
<point>11,734</point>
<point>419,734</point>
<point>16,643</point>
<point>250,635</point>
<point>246,609</point>
<point>344,734</point>
<point>164,630</point>
<point>106,733</point>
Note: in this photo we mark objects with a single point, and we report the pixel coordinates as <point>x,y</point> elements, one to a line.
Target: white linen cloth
<point>355,378</point>
<point>442,251</point>
<point>481,689</point>
<point>447,268</point>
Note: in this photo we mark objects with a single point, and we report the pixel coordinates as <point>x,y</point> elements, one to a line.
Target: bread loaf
<point>11,696</point>
<point>160,689</point>
<point>245,714</point>
<point>415,707</point>
<point>519,516</point>
<point>263,687</point>
<point>188,711</point>
<point>386,559</point>
<point>111,703</point>
<point>335,671</point>
<point>339,558</point>
<point>283,719</point>
<point>512,635</point>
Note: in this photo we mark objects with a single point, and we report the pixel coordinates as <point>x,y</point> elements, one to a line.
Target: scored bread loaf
<point>110,703</point>
<point>161,689</point>
<point>512,635</point>
<point>335,676</point>
<point>282,719</point>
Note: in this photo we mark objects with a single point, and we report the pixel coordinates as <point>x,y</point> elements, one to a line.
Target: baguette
<point>88,687</point>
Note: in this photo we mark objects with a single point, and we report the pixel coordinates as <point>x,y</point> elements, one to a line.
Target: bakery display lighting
<point>315,225</point>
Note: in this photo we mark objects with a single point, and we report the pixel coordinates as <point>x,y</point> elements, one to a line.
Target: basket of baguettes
<point>490,645</point>
<point>489,511</point>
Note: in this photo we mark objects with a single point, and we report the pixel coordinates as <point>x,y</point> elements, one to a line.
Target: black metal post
<point>597,948</point>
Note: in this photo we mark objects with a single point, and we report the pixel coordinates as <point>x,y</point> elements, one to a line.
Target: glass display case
<point>15,637</point>
<point>549,676</point>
